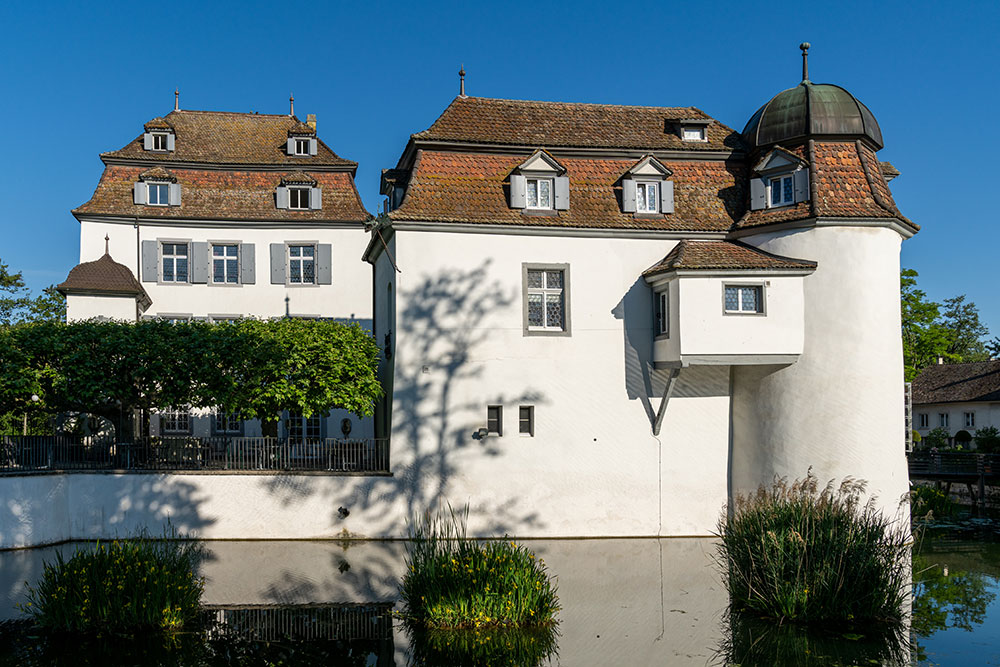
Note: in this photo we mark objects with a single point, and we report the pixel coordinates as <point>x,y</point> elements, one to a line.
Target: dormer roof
<point>541,161</point>
<point>778,159</point>
<point>649,166</point>
<point>301,129</point>
<point>157,123</point>
<point>297,178</point>
<point>158,174</point>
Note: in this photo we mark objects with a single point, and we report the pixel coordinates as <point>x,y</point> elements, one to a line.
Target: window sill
<point>540,212</point>
<point>743,313</point>
<point>649,216</point>
<point>546,332</point>
<point>662,336</point>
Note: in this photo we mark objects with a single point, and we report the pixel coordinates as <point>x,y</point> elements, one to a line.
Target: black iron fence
<point>29,453</point>
<point>302,622</point>
<point>957,464</point>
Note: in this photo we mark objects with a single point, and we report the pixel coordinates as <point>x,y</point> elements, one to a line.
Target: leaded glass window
<point>225,264</point>
<point>782,191</point>
<point>301,264</point>
<point>305,428</point>
<point>175,262</point>
<point>546,303</point>
<point>227,423</point>
<point>539,192</point>
<point>744,299</point>
<point>645,198</point>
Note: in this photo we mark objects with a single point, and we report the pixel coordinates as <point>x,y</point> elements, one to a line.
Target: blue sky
<point>82,78</point>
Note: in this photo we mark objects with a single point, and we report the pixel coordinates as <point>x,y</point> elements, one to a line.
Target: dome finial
<point>107,239</point>
<point>461,80</point>
<point>805,60</point>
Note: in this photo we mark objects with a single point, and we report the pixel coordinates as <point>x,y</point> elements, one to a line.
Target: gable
<point>542,161</point>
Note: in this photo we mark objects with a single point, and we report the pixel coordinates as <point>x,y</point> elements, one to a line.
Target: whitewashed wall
<point>84,307</point>
<point>986,414</point>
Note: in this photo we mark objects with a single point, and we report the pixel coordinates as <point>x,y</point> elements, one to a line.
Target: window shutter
<point>139,193</point>
<point>282,197</point>
<point>277,263</point>
<point>248,264</point>
<point>170,141</point>
<point>313,146</point>
<point>290,146</point>
<point>628,195</point>
<point>150,260</point>
<point>801,185</point>
<point>315,199</point>
<point>758,194</point>
<point>324,264</point>
<point>667,197</point>
<point>562,193</point>
<point>147,141</point>
<point>517,189</point>
<point>199,262</point>
<point>175,194</point>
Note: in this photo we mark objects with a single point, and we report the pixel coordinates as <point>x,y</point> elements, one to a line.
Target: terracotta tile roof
<point>473,188</point>
<point>709,255</point>
<point>950,383</point>
<point>561,124</point>
<point>298,178</point>
<point>220,137</point>
<point>889,172</point>
<point>158,174</point>
<point>157,124</point>
<point>102,275</point>
<point>300,129</point>
<point>225,195</point>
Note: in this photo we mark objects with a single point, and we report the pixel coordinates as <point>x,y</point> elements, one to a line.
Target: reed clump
<point>795,552</point>
<point>454,582</point>
<point>138,584</point>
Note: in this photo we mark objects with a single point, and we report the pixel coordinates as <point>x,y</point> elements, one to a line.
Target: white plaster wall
<point>986,414</point>
<point>83,307</point>
<point>839,409</point>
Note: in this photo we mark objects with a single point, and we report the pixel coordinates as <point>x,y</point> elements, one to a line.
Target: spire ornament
<point>461,81</point>
<point>177,99</point>
<point>805,60</point>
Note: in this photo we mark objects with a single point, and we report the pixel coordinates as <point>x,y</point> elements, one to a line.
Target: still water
<point>625,602</point>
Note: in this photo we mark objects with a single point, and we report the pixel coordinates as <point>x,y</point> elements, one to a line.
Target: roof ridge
<point>233,113</point>
<point>583,104</point>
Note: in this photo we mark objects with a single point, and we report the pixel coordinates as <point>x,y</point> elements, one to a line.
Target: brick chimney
<point>311,121</point>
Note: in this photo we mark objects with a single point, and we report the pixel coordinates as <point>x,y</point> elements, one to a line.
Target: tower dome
<point>811,110</point>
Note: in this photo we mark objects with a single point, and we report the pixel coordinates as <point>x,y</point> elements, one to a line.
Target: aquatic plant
<point>453,581</point>
<point>928,503</point>
<point>797,553</point>
<point>493,647</point>
<point>125,585</point>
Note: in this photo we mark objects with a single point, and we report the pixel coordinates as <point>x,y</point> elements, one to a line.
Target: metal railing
<point>58,452</point>
<point>302,622</point>
<point>953,464</point>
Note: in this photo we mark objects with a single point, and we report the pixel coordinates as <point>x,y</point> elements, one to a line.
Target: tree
<point>13,295</point>
<point>17,304</point>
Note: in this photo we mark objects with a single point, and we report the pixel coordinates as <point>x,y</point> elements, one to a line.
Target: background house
<point>959,398</point>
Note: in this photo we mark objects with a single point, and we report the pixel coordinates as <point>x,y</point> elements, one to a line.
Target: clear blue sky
<point>82,78</point>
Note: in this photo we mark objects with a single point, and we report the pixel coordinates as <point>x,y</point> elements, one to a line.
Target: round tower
<point>839,409</point>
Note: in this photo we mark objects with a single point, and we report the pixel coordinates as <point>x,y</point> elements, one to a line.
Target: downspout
<point>667,391</point>
<point>138,263</point>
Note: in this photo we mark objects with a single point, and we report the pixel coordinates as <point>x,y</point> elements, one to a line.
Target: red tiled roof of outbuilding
<point>722,255</point>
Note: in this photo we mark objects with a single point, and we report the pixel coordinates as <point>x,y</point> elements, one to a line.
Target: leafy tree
<point>987,439</point>
<point>13,295</point>
<point>957,599</point>
<point>49,306</point>
<point>965,331</point>
<point>936,438</point>
<point>17,304</point>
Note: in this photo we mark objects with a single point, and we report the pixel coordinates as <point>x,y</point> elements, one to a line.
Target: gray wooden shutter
<point>175,194</point>
<point>628,195</point>
<point>248,264</point>
<point>282,197</point>
<point>667,197</point>
<point>139,193</point>
<point>199,262</point>
<point>517,191</point>
<point>324,264</point>
<point>290,146</point>
<point>170,141</point>
<point>277,263</point>
<point>150,261</point>
<point>313,147</point>
<point>315,199</point>
<point>801,181</point>
<point>147,141</point>
<point>758,194</point>
<point>562,193</point>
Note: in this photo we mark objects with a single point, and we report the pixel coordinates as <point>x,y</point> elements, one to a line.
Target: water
<point>625,601</point>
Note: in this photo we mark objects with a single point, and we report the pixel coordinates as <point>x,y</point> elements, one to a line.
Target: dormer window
<point>693,134</point>
<point>646,199</point>
<point>158,194</point>
<point>693,129</point>
<point>781,191</point>
<point>298,198</point>
<point>301,146</point>
<point>298,192</point>
<point>156,187</point>
<point>158,138</point>
<point>159,141</point>
<point>782,179</point>
<point>539,193</point>
<point>539,184</point>
<point>646,189</point>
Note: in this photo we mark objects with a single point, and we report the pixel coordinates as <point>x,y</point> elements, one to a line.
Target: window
<point>227,423</point>
<point>225,264</point>
<point>304,428</point>
<point>494,419</point>
<point>545,300</point>
<point>943,420</point>
<point>301,146</point>
<point>298,198</point>
<point>970,419</point>
<point>693,134</point>
<point>175,421</point>
<point>539,192</point>
<point>782,191</point>
<point>744,299</point>
<point>159,141</point>
<point>175,262</point>
<point>158,194</point>
<point>301,264</point>
<point>646,200</point>
<point>923,420</point>
<point>526,420</point>
<point>662,314</point>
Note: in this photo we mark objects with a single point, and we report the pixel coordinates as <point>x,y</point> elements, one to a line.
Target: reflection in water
<point>492,647</point>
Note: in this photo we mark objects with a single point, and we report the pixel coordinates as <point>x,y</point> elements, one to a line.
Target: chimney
<point>311,121</point>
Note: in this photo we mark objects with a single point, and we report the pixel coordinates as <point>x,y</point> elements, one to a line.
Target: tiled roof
<point>715,255</point>
<point>473,188</point>
<point>102,275</point>
<point>300,129</point>
<point>561,124</point>
<point>949,383</point>
<point>220,137</point>
<point>158,173</point>
<point>298,178</point>
<point>157,123</point>
<point>225,195</point>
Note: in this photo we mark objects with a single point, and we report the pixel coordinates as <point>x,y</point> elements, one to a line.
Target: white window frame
<point>495,428</point>
<point>970,420</point>
<point>943,420</point>
<point>546,292</point>
<point>538,180</point>
<point>761,293</point>
<point>302,142</point>
<point>164,256</point>
<point>149,193</point>
<point>782,201</point>
<point>924,420</point>
<point>175,421</point>
<point>307,428</point>
<point>652,204</point>
<point>159,138</point>
<point>661,312</point>
<point>289,259</point>
<point>225,261</point>
<point>526,424</point>
<point>302,191</point>
<point>700,133</point>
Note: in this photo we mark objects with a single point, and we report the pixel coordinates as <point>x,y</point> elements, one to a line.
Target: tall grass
<point>138,584</point>
<point>455,582</point>
<point>794,552</point>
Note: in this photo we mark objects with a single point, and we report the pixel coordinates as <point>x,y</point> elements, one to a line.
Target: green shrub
<point>987,439</point>
<point>122,586</point>
<point>794,553</point>
<point>455,582</point>
<point>927,502</point>
<point>937,437</point>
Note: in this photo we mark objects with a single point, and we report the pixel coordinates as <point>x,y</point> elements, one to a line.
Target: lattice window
<point>301,264</point>
<point>546,303</point>
<point>175,421</point>
<point>225,264</point>
<point>744,299</point>
<point>175,262</point>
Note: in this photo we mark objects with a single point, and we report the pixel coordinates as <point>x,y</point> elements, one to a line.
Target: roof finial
<point>106,239</point>
<point>177,99</point>
<point>291,104</point>
<point>461,81</point>
<point>805,60</point>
